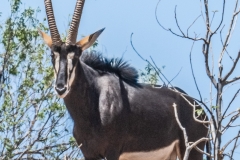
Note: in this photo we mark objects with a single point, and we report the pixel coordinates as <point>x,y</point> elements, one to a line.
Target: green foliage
<point>32,118</point>
<point>215,107</point>
<point>95,44</point>
<point>199,111</point>
<point>149,75</point>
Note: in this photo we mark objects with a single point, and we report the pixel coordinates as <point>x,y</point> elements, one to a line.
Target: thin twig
<point>232,69</point>
<point>232,80</point>
<point>222,43</point>
<point>194,78</point>
<point>156,17</point>
<point>235,145</point>
<point>192,24</point>
<point>223,12</point>
<point>175,76</point>
<point>229,142</point>
<point>157,70</point>
<point>235,95</point>
<point>170,30</point>
<point>189,145</point>
<point>234,117</point>
<point>213,17</point>
<point>175,11</point>
<point>231,28</point>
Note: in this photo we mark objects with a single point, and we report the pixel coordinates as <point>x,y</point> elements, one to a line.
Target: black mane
<point>115,66</point>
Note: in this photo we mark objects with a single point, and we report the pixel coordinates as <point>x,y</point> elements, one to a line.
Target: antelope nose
<point>60,89</point>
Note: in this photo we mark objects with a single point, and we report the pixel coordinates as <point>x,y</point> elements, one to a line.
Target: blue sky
<point>121,18</point>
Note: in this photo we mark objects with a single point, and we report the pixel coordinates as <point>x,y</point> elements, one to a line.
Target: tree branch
<point>189,145</point>
<point>232,69</point>
<point>229,142</point>
<point>232,80</point>
<point>229,31</point>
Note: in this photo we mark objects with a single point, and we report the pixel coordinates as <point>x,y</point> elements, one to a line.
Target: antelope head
<point>65,55</point>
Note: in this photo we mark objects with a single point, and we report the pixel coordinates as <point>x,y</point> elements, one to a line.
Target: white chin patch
<point>64,94</point>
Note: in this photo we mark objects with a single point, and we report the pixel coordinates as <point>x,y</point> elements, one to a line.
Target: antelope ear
<point>88,41</point>
<point>47,39</point>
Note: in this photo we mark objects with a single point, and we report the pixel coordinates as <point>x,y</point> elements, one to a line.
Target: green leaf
<point>199,111</point>
<point>215,107</point>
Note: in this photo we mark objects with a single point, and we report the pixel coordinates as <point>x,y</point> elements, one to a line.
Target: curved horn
<point>52,24</point>
<point>72,34</point>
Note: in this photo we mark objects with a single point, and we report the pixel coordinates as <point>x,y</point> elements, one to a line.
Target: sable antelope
<point>114,116</point>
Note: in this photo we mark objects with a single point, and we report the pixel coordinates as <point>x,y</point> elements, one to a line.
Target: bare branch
<point>213,17</point>
<point>206,45</point>
<point>194,111</point>
<point>229,142</point>
<point>202,152</point>
<point>207,14</point>
<point>232,69</point>
<point>235,145</point>
<point>232,126</point>
<point>211,77</point>
<point>175,11</point>
<point>42,149</point>
<point>175,76</point>
<point>231,113</point>
<point>202,12</point>
<point>205,106</point>
<point>183,35</point>
<point>234,117</point>
<point>157,70</point>
<point>231,28</point>
<point>192,24</point>
<point>222,44</point>
<point>223,12</point>
<point>157,17</point>
<point>180,125</point>
<point>186,37</point>
<point>235,95</point>
<point>189,145</point>
<point>232,80</point>
<point>36,139</point>
<point>194,78</point>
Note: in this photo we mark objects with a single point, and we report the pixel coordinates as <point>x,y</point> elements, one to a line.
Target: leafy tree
<point>149,75</point>
<point>32,119</point>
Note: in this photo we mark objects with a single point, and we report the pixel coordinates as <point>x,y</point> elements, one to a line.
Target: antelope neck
<point>82,94</point>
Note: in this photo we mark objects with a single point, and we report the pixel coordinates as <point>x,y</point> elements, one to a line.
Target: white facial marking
<point>56,65</point>
<point>170,152</point>
<point>70,57</point>
<point>70,69</point>
<point>69,83</point>
<point>72,77</point>
<point>56,69</point>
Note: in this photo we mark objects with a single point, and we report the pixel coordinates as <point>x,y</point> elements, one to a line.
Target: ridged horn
<point>56,39</point>
<point>73,31</point>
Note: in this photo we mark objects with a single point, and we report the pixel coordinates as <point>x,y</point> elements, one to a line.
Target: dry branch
<point>189,145</point>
